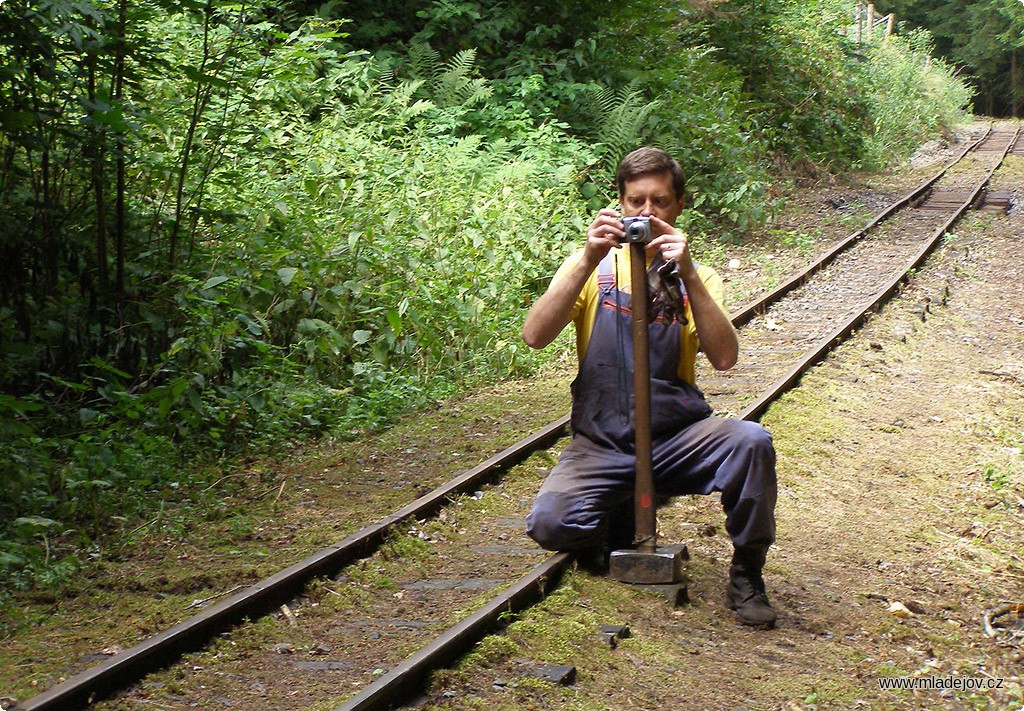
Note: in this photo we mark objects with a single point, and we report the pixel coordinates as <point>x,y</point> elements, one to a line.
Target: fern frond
<point>450,83</point>
<point>462,63</point>
<point>426,61</point>
<point>623,122</point>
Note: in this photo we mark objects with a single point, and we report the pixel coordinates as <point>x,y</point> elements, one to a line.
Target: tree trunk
<point>1014,86</point>
<point>118,91</point>
<point>97,159</point>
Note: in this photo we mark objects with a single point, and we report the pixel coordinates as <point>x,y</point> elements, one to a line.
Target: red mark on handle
<point>645,501</point>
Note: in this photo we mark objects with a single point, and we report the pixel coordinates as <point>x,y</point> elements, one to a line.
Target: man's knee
<point>752,436</point>
<point>755,464</point>
<point>755,442</point>
<point>544,529</point>
<point>555,524</point>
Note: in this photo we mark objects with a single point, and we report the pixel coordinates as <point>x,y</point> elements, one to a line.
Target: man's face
<point>651,194</point>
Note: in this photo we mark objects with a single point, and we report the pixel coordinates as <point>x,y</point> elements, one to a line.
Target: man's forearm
<point>717,336</point>
<point>553,310</point>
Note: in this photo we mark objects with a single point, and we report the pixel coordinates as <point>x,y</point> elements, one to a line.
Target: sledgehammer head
<point>662,566</point>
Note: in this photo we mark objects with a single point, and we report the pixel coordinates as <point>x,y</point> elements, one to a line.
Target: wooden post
<point>871,20</point>
<point>645,564</point>
<point>858,21</point>
<point>889,24</point>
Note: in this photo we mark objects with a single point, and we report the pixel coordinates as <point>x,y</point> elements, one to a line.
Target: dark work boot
<point>621,531</point>
<point>746,592</point>
<point>622,527</point>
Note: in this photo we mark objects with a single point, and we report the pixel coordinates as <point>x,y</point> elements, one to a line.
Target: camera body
<point>638,230</point>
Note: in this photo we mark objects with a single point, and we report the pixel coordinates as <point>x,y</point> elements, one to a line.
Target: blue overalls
<point>693,453</point>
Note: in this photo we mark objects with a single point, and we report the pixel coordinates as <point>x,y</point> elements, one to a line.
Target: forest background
<point>228,227</point>
<point>984,39</point>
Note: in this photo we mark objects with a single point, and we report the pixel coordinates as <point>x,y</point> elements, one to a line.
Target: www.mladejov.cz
<point>939,683</point>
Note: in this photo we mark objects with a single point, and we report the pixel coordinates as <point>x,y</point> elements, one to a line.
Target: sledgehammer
<point>646,565</point>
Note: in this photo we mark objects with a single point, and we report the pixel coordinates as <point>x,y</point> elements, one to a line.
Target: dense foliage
<point>226,226</point>
<point>841,103</point>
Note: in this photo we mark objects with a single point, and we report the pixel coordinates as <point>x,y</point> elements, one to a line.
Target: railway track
<point>789,330</point>
<point>433,587</point>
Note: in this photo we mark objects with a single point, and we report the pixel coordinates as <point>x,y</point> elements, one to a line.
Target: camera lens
<point>638,229</point>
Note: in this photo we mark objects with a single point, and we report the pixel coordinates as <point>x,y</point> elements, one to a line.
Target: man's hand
<point>604,233</point>
<point>717,336</point>
<point>673,246</point>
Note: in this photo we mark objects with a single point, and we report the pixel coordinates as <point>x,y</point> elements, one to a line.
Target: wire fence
<point>868,25</point>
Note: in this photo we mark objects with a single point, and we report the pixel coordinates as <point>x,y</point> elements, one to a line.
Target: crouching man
<point>585,503</point>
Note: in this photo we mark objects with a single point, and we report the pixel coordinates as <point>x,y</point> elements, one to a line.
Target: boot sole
<point>770,625</point>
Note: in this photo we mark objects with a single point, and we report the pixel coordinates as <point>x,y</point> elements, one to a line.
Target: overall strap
<point>606,272</point>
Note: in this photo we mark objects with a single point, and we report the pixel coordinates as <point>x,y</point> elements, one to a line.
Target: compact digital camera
<point>638,229</point>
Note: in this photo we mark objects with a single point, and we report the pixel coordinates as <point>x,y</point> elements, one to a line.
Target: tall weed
<point>912,96</point>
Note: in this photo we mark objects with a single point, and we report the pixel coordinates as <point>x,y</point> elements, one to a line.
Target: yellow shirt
<point>585,308</point>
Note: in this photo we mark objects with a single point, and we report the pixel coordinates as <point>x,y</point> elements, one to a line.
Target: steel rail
<point>827,343</point>
<point>406,679</point>
<point>402,682</point>
<point>759,303</point>
<point>268,594</point>
<point>195,632</point>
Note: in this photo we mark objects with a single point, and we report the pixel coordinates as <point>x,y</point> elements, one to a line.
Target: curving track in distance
<point>784,333</point>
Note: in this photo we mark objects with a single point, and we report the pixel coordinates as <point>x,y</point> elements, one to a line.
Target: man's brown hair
<point>647,160</point>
